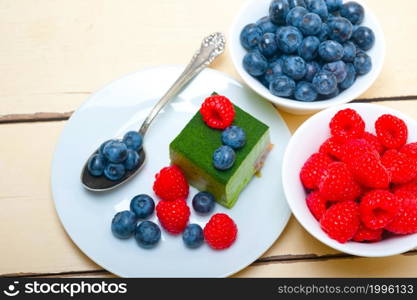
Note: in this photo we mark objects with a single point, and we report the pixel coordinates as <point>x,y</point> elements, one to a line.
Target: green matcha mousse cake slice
<point>192,150</point>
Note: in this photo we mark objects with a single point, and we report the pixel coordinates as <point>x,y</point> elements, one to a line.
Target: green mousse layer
<point>192,150</point>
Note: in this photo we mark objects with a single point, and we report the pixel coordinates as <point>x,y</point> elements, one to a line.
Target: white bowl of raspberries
<point>350,178</point>
<point>307,55</point>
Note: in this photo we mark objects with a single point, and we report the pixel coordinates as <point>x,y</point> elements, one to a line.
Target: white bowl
<point>306,141</point>
<point>253,10</point>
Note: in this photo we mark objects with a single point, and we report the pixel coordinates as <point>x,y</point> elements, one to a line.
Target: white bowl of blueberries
<point>307,55</point>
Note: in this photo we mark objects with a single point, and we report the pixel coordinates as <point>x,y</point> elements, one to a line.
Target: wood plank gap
<point>35,117</point>
<point>386,99</point>
<point>23,274</point>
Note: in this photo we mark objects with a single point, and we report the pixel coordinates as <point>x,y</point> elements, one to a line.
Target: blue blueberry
<point>318,7</point>
<point>295,16</point>
<point>323,33</point>
<point>132,160</point>
<point>349,52</point>
<point>255,63</point>
<point>362,63</point>
<point>340,29</point>
<point>96,164</point>
<point>308,49</point>
<point>338,69</point>
<point>325,83</point>
<point>203,202</point>
<point>250,36</point>
<point>289,39</point>
<point>305,92</point>
<point>115,151</point>
<point>101,149</point>
<point>123,224</point>
<point>142,205</point>
<point>334,5</point>
<point>331,51</point>
<point>278,11</point>
<point>147,234</point>
<point>364,38</point>
<point>274,69</point>
<point>330,96</point>
<point>312,68</point>
<point>295,3</point>
<point>282,86</point>
<point>350,77</point>
<point>310,24</point>
<point>234,136</point>
<point>193,236</point>
<point>268,45</point>
<point>114,171</point>
<point>133,140</point>
<point>294,67</point>
<point>223,158</point>
<point>266,25</point>
<point>353,11</point>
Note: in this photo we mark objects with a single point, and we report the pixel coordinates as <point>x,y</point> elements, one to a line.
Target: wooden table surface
<point>55,53</point>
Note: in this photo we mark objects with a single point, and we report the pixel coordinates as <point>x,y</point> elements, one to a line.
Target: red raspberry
<point>337,184</point>
<point>313,170</point>
<point>173,215</point>
<point>403,169</point>
<point>392,132</point>
<point>406,221</point>
<point>220,232</point>
<point>218,112</point>
<point>410,150</point>
<point>316,204</point>
<point>332,147</point>
<point>356,147</point>
<point>170,184</point>
<point>373,140</point>
<point>341,221</point>
<point>347,124</point>
<point>406,188</point>
<point>378,208</point>
<point>364,234</point>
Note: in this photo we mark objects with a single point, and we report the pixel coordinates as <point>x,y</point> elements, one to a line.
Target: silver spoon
<point>211,47</point>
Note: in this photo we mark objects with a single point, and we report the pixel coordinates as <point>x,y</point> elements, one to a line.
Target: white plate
<point>261,212</point>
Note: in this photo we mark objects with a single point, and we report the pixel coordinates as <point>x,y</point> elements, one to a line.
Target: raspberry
<point>378,208</point>
<point>403,169</point>
<point>347,124</point>
<point>341,221</point>
<point>364,234</point>
<point>373,140</point>
<point>316,204</point>
<point>218,112</point>
<point>220,232</point>
<point>313,170</point>
<point>392,132</point>
<point>410,150</point>
<point>356,147</point>
<point>337,184</point>
<point>406,188</point>
<point>173,215</point>
<point>406,221</point>
<point>332,147</point>
<point>170,184</point>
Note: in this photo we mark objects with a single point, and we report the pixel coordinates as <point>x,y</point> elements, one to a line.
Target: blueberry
<point>310,24</point>
<point>309,48</point>
<point>330,51</point>
<point>349,52</point>
<point>338,68</point>
<point>334,5</point>
<point>266,25</point>
<point>305,91</point>
<point>255,63</point>
<point>318,7</point>
<point>115,151</point>
<point>295,3</point>
<point>278,11</point>
<point>282,86</point>
<point>133,140</point>
<point>234,136</point>
<point>294,67</point>
<point>114,171</point>
<point>96,164</point>
<point>123,224</point>
<point>295,16</point>
<point>193,236</point>
<point>224,158</point>
<point>364,37</point>
<point>362,63</point>
<point>330,96</point>
<point>132,160</point>
<point>274,69</point>
<point>340,29</point>
<point>101,149</point>
<point>323,33</point>
<point>203,202</point>
<point>142,205</point>
<point>353,11</point>
<point>250,36</point>
<point>325,83</point>
<point>147,234</point>
<point>312,68</point>
<point>350,77</point>
<point>289,39</point>
<point>268,45</point>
